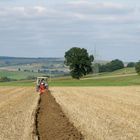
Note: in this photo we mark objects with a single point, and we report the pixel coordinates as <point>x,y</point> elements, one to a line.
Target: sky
<point>48,28</point>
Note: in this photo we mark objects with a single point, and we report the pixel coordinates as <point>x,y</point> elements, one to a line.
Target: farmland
<point>17,111</point>
<point>97,112</point>
<point>128,80</point>
<point>53,124</point>
<point>18,75</point>
<point>19,121</point>
<point>102,112</point>
<point>95,107</point>
<point>21,68</point>
<point>69,70</point>
<point>124,71</point>
<point>123,77</point>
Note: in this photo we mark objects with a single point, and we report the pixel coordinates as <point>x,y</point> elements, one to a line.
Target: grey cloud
<point>56,29</point>
<point>97,8</point>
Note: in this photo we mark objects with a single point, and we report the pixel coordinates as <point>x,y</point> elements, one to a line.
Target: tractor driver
<point>42,88</point>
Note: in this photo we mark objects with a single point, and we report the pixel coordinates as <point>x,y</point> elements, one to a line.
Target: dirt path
<point>52,123</point>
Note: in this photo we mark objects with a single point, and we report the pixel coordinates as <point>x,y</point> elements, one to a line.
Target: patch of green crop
<point>18,75</point>
<point>110,81</point>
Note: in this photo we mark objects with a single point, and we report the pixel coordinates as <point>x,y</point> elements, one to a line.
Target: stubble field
<point>17,111</point>
<point>102,113</point>
<point>99,113</point>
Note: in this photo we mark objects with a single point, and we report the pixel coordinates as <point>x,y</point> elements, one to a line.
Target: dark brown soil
<point>52,124</point>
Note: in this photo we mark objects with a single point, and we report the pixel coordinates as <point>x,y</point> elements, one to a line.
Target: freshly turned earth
<point>52,122</point>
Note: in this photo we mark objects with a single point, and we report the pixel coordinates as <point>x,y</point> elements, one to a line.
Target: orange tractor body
<point>42,85</point>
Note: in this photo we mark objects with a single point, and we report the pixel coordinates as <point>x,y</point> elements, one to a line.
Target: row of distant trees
<point>111,66</point>
<point>80,63</point>
<point>7,79</point>
<point>4,79</point>
<point>118,64</point>
<point>137,67</point>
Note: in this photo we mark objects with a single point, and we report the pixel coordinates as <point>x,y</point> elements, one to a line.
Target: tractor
<point>42,85</point>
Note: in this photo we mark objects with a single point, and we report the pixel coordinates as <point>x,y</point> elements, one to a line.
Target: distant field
<point>18,75</point>
<point>108,81</point>
<point>123,77</point>
<point>117,72</point>
<point>55,65</point>
<point>124,71</point>
<point>102,113</point>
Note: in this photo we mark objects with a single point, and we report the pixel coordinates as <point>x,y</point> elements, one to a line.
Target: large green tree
<point>137,67</point>
<point>79,62</point>
<point>131,65</point>
<point>116,65</point>
<point>111,66</point>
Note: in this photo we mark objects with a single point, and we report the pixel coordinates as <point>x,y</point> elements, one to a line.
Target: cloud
<point>40,9</point>
<point>22,11</point>
<point>74,23</point>
<point>84,10</point>
<point>74,12</point>
<point>79,2</point>
<point>97,8</point>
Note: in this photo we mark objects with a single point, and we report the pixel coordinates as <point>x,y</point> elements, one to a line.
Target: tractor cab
<point>41,84</point>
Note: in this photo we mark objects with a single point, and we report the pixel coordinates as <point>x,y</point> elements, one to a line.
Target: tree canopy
<point>131,65</point>
<point>137,67</point>
<point>111,66</point>
<point>79,62</point>
<point>116,64</point>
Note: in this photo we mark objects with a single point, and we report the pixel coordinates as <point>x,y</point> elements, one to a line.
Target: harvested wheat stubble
<point>52,122</point>
<point>102,113</point>
<point>17,110</point>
